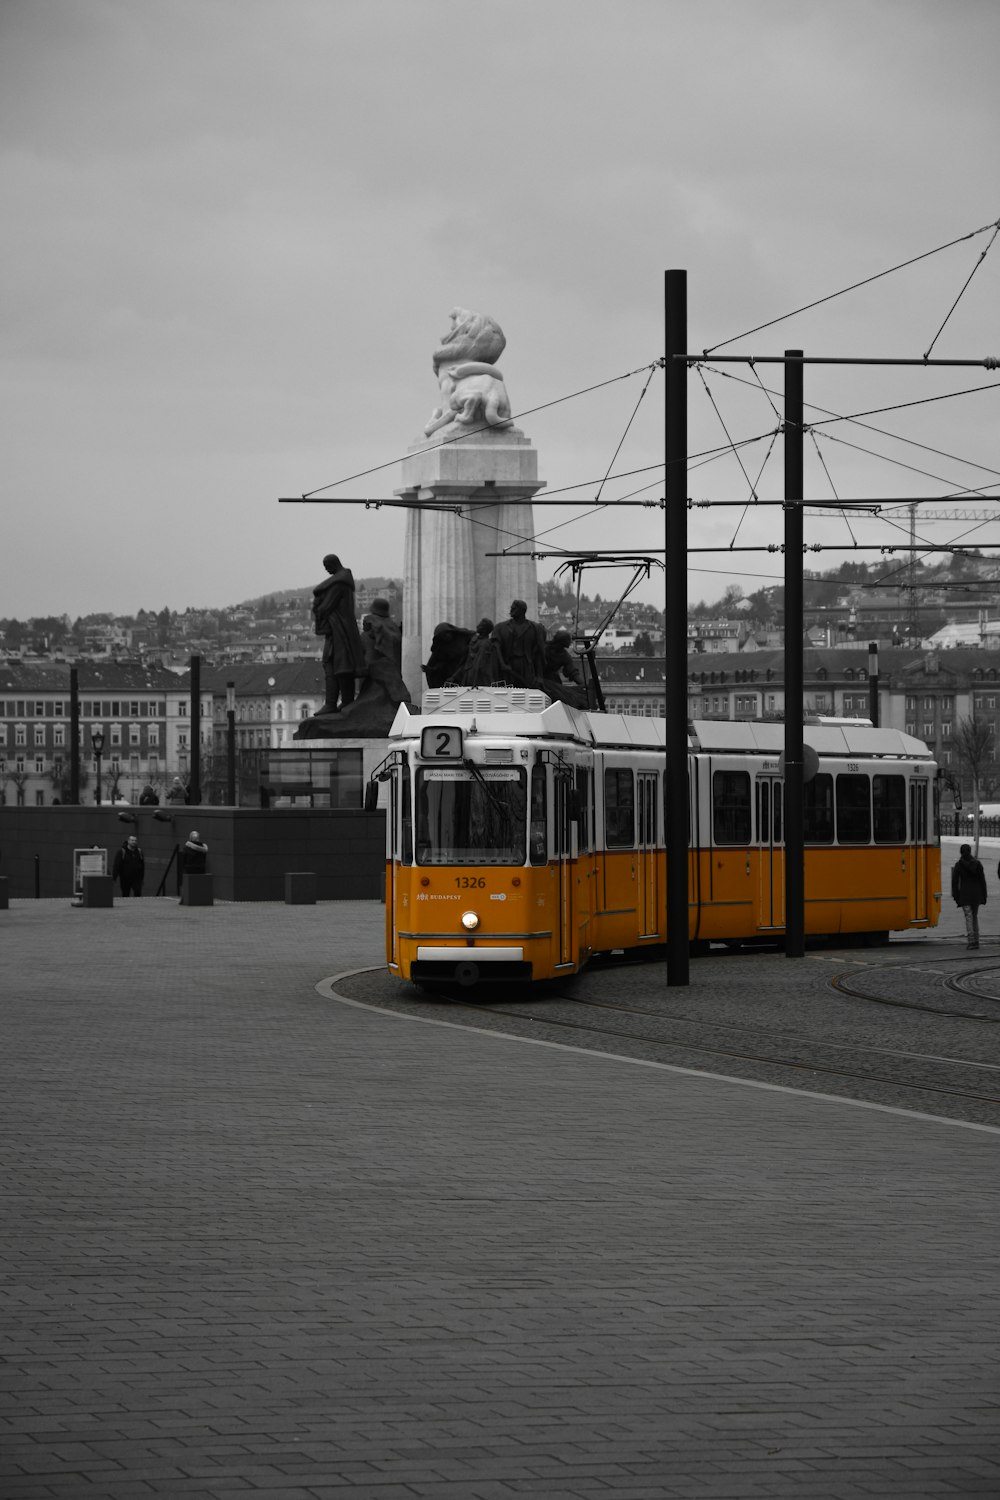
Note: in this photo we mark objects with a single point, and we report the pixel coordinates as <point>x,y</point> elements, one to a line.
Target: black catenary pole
<point>795,943</point>
<point>74,737</point>
<point>675,628</point>
<point>194,780</point>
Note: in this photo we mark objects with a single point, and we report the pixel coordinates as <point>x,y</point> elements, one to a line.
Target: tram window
<point>889,801</point>
<point>407,811</point>
<point>817,810</point>
<point>583,806</point>
<point>537,847</point>
<point>561,822</point>
<point>466,819</point>
<point>763,812</point>
<point>619,809</point>
<point>731,807</point>
<point>854,811</point>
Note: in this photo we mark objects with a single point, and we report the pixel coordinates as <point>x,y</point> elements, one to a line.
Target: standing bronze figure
<point>333,614</point>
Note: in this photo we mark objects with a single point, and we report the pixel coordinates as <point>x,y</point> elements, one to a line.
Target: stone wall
<point>250,850</point>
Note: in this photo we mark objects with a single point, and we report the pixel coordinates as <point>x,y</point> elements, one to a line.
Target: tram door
<point>392,836</point>
<point>771,841</point>
<point>647,862</point>
<point>918,853</point>
<point>562,801</point>
<point>399,850</point>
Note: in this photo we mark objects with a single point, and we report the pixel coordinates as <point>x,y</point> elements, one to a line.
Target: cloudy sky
<point>234,229</point>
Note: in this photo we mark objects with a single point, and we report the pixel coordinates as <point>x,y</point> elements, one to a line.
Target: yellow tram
<point>524,836</point>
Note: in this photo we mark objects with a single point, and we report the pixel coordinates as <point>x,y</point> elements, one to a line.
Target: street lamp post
<point>231,742</point>
<point>97,745</point>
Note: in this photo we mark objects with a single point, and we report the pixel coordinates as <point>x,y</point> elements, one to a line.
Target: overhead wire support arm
<point>989,362</point>
<point>378,502</point>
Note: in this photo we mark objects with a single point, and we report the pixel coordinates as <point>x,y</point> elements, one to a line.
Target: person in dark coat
<point>333,617</point>
<point>968,888</point>
<point>522,644</point>
<point>446,658</point>
<point>148,798</point>
<point>563,673</point>
<point>129,867</point>
<point>382,640</point>
<point>484,664</point>
<point>194,855</point>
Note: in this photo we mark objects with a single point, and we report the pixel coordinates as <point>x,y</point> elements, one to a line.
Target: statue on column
<point>472,390</point>
<point>333,614</point>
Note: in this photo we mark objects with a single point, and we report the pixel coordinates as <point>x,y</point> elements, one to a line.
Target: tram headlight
<point>470,920</point>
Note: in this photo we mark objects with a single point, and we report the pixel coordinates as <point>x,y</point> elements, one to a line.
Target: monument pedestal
<point>476,493</point>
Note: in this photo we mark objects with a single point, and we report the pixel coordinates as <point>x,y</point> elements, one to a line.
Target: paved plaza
<point>257,1240</point>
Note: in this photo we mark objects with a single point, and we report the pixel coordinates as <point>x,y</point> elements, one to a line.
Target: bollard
<point>98,890</point>
<point>300,888</point>
<point>196,890</point>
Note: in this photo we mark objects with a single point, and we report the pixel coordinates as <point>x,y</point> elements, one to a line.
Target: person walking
<point>178,792</point>
<point>129,867</point>
<point>968,888</point>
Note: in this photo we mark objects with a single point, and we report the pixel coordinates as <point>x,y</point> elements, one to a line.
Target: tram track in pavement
<point>925,1073</point>
<point>932,1082</point>
<point>960,983</point>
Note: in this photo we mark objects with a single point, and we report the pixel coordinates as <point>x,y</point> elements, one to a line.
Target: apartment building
<point>143,714</point>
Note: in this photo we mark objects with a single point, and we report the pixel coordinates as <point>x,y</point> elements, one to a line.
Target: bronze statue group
<point>515,653</point>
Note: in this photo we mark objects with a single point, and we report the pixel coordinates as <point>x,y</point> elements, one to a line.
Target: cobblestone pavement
<point>257,1240</point>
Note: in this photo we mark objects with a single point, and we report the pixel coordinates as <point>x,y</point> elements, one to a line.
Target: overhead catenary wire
<point>899,463</point>
<point>881,431</point>
<point>584,508</point>
<point>855,286</point>
<point>876,411</point>
<point>826,471</point>
<point>729,436</point>
<point>975,268</point>
<point>628,424</point>
<point>473,431</point>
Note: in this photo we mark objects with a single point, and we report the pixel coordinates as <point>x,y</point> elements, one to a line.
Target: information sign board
<point>93,861</point>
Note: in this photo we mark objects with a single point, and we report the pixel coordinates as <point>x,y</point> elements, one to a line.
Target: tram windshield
<point>471,817</point>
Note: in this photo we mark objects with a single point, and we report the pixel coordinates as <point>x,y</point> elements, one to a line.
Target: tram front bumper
<point>469,965</point>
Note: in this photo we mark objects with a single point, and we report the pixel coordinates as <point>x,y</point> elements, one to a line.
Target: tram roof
<point>511,711</point>
<point>506,712</point>
<point>720,736</point>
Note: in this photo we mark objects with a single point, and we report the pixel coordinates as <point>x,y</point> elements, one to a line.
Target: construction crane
<point>953,513</point>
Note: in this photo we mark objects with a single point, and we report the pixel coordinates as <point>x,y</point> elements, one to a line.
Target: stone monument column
<point>473,459</point>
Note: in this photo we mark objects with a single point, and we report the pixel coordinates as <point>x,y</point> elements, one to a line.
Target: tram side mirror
<point>371,796</point>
